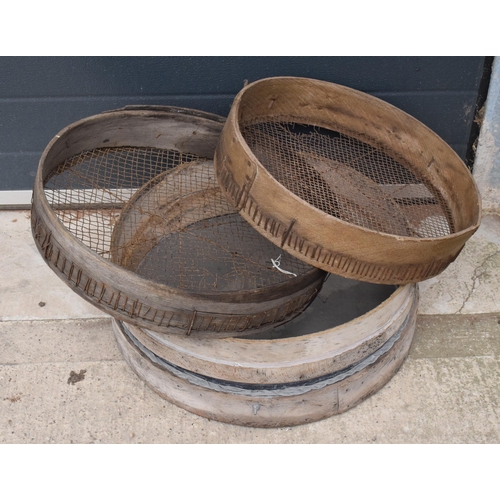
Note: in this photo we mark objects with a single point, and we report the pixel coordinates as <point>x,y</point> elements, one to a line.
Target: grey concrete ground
<point>62,378</point>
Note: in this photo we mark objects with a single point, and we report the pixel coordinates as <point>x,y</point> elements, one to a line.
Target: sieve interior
<point>180,230</point>
<point>349,179</point>
<point>345,181</point>
<point>88,191</point>
<point>127,212</point>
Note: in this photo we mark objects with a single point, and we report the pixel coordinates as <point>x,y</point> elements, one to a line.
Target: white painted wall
<point>487,162</point>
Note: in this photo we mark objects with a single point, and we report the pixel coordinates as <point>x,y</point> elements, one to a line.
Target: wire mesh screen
<point>349,179</point>
<point>88,190</point>
<point>161,214</point>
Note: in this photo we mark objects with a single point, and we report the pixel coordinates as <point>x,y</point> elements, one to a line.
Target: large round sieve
<point>89,180</point>
<point>345,181</point>
<point>180,230</point>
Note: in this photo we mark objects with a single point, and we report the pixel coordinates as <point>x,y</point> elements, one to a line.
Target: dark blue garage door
<point>40,96</point>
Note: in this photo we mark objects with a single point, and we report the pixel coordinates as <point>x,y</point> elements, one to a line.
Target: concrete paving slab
<point>40,406</point>
<point>470,285</point>
<point>452,336</point>
<point>57,341</point>
<point>442,394</point>
<point>29,289</point>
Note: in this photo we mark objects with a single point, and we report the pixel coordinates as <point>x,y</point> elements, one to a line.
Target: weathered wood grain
<point>341,247</point>
<point>251,407</point>
<point>124,294</point>
<point>287,359</point>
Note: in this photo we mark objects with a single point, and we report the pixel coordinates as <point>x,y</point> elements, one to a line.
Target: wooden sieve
<point>124,234</point>
<point>292,380</point>
<point>345,181</point>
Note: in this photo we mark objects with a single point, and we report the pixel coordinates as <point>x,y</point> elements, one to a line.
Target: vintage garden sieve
<point>345,181</point>
<point>127,211</point>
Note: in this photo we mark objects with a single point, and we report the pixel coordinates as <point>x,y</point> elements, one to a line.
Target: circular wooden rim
<point>122,293</point>
<point>286,360</point>
<point>276,407</point>
<point>341,247</point>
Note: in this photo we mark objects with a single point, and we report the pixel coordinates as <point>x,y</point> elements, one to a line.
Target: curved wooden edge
<point>268,411</point>
<point>125,295</point>
<point>139,223</point>
<point>171,110</point>
<point>182,129</point>
<point>289,359</point>
<point>167,203</point>
<point>345,249</point>
<point>371,120</point>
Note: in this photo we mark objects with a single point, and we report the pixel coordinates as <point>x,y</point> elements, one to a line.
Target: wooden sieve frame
<point>288,359</point>
<point>122,293</point>
<point>321,239</point>
<point>289,392</point>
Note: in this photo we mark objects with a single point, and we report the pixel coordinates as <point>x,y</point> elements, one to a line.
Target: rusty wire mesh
<point>161,214</point>
<point>349,179</point>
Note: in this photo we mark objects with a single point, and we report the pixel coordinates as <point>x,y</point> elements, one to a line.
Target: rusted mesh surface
<point>88,190</point>
<point>161,214</point>
<point>349,179</point>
